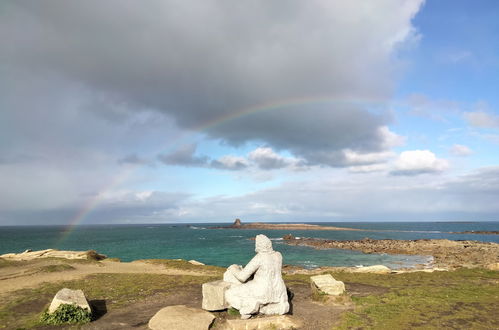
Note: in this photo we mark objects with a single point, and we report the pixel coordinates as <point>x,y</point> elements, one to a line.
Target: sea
<point>223,247</point>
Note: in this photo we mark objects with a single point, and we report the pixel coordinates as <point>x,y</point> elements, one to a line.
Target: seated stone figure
<point>265,292</point>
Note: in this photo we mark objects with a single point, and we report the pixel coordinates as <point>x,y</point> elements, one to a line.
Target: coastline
<point>446,253</point>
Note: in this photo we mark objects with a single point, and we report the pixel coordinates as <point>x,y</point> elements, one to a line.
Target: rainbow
<point>93,202</point>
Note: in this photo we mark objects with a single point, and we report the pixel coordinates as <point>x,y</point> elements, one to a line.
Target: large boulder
<point>181,317</point>
<point>376,269</point>
<point>214,295</point>
<point>327,284</point>
<point>70,297</point>
<point>269,322</point>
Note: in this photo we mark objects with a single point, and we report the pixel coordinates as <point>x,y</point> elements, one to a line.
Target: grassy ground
<point>462,299</point>
<point>22,308</point>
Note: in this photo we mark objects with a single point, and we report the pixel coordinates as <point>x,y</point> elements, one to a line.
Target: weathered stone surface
<point>258,287</point>
<point>196,263</point>
<point>269,322</point>
<point>376,269</point>
<point>493,266</point>
<point>328,285</point>
<point>214,295</point>
<point>180,317</point>
<point>51,253</point>
<point>71,297</point>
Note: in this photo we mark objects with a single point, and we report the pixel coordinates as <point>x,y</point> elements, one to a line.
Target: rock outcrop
<point>376,269</point>
<point>180,317</point>
<point>51,253</point>
<point>328,285</point>
<point>70,297</point>
<point>446,253</point>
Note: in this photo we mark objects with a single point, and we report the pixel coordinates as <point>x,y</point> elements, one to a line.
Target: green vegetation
<point>464,299</point>
<point>66,314</point>
<point>56,268</point>
<point>185,265</point>
<point>233,312</point>
<point>11,263</point>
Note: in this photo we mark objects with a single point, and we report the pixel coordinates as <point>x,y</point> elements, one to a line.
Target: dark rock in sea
<point>237,223</point>
<point>288,237</point>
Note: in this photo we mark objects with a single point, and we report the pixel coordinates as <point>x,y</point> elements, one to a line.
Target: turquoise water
<point>223,247</point>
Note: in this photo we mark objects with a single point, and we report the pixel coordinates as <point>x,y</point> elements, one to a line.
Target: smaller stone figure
<point>258,287</point>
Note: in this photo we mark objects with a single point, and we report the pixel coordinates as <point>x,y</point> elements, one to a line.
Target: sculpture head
<point>263,244</point>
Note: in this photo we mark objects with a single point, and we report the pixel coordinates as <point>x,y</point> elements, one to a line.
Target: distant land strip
<point>303,226</point>
<point>283,226</point>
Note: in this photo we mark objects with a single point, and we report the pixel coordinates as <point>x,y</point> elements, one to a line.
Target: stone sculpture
<point>258,287</point>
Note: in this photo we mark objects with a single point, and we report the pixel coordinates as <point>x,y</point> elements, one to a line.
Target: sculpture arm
<point>249,270</point>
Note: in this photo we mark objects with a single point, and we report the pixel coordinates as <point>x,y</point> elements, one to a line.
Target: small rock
<point>493,266</point>
<point>214,295</point>
<point>71,297</point>
<point>288,237</point>
<point>270,322</point>
<point>181,317</point>
<point>328,285</point>
<point>196,263</point>
<point>376,269</point>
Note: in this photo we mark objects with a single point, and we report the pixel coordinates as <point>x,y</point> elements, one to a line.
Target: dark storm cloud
<point>199,62</point>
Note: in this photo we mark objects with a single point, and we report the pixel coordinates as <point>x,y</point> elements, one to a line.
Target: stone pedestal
<point>214,295</point>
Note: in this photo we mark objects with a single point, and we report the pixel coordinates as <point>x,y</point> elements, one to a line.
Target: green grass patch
<point>464,299</point>
<point>233,312</point>
<point>185,265</point>
<point>56,268</point>
<point>11,263</point>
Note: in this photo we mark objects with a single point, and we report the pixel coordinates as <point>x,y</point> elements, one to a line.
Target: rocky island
<point>282,226</point>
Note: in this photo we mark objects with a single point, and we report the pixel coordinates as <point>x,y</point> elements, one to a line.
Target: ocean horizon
<point>222,247</point>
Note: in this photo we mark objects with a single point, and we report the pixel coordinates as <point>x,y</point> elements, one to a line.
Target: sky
<point>169,111</point>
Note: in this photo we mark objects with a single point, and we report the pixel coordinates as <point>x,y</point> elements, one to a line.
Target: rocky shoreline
<point>446,253</point>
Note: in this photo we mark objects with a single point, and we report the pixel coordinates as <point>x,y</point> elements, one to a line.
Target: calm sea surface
<point>223,247</point>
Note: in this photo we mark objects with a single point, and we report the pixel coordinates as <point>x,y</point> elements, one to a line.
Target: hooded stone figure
<point>265,292</point>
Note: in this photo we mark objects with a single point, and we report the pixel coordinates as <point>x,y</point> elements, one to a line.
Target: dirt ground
<point>311,314</point>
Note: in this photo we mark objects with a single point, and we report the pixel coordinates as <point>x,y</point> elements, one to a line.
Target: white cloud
<point>230,162</point>
<point>482,119</point>
<point>202,63</point>
<point>266,159</point>
<point>460,150</point>
<point>416,162</point>
<point>353,158</point>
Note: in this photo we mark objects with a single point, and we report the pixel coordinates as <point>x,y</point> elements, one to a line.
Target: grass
<point>11,263</point>
<point>22,309</point>
<point>463,299</point>
<point>185,265</point>
<point>55,268</point>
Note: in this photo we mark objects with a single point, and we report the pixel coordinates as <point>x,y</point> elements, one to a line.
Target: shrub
<point>66,314</point>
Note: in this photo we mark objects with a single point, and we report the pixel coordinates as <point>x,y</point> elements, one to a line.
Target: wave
<point>194,227</point>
